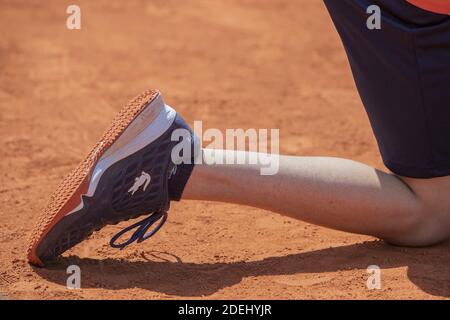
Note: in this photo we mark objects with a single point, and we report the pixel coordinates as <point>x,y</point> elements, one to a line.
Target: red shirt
<point>437,6</point>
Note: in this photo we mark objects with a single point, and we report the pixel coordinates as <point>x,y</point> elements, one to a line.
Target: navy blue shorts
<point>402,72</point>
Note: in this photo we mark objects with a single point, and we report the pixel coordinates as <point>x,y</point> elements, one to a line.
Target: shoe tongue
<point>172,170</point>
<point>178,180</point>
<point>178,175</point>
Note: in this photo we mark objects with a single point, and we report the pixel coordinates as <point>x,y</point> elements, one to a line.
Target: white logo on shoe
<point>143,180</point>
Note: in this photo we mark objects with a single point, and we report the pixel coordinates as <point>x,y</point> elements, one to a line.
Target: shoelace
<point>142,227</point>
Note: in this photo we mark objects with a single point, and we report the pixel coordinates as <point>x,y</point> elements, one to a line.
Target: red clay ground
<point>232,64</point>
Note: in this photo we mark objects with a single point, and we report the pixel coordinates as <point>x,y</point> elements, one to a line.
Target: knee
<point>419,229</point>
<point>428,221</point>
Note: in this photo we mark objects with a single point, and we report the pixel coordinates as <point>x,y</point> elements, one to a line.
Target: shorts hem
<point>417,172</point>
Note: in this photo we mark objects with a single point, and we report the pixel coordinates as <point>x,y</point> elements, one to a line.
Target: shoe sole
<point>68,195</point>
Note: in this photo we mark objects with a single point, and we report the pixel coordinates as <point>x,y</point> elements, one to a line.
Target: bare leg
<point>335,193</point>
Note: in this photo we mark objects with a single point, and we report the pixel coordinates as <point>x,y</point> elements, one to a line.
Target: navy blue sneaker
<point>129,173</point>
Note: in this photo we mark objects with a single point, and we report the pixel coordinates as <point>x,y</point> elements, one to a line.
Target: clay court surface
<point>232,64</point>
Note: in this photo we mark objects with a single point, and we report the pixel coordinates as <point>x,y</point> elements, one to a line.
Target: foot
<point>125,176</point>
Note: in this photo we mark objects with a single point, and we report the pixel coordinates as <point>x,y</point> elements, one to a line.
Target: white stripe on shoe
<point>159,123</point>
